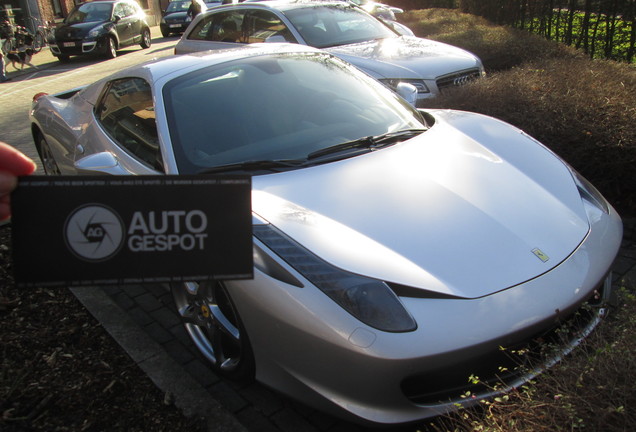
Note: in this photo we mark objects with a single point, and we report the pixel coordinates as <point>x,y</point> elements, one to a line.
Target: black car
<point>175,18</point>
<point>101,27</point>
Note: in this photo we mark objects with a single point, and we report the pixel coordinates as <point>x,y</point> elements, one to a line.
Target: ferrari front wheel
<point>213,323</point>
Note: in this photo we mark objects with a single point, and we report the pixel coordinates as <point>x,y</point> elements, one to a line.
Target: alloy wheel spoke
<point>224,325</point>
<point>189,314</point>
<point>229,363</point>
<point>216,340</point>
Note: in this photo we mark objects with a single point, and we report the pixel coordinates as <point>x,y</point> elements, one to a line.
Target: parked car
<point>175,18</point>
<point>378,10</point>
<point>342,29</point>
<point>396,250</point>
<point>101,27</point>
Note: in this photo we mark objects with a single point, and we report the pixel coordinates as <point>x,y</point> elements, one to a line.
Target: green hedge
<point>584,110</point>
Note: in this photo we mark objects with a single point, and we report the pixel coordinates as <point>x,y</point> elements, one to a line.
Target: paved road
<point>141,318</point>
<point>52,77</point>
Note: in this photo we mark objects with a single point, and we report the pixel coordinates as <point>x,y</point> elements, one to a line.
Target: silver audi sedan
<point>399,254</point>
<point>342,29</point>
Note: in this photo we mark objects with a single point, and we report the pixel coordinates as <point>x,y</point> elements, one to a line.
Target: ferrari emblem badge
<point>539,254</point>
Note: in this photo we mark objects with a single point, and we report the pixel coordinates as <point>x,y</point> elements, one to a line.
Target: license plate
<point>175,25</point>
<point>68,44</point>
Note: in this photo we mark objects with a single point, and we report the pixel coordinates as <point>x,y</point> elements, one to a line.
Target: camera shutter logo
<point>94,232</point>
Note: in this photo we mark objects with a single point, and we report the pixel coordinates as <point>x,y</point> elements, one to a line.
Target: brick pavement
<point>256,407</point>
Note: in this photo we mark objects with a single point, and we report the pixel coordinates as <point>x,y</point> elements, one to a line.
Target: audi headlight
<point>369,300</point>
<point>419,84</point>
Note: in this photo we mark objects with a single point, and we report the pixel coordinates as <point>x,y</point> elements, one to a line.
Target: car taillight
<point>38,96</point>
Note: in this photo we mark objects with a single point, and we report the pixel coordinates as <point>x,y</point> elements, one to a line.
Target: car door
<point>215,31</point>
<point>125,126</point>
<point>124,24</point>
<point>230,27</point>
<point>136,16</point>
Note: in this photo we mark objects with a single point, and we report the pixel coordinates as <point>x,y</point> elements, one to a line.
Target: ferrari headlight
<point>369,300</point>
<point>419,84</point>
<point>588,192</point>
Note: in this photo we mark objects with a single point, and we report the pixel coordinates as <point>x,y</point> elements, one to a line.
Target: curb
<point>187,394</point>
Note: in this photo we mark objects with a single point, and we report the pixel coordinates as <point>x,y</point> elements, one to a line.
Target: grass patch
<point>592,390</point>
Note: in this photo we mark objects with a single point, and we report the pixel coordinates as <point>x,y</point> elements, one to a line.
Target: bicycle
<point>40,34</point>
<point>7,34</point>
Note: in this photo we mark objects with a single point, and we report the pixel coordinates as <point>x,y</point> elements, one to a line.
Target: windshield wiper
<point>369,143</point>
<point>275,165</point>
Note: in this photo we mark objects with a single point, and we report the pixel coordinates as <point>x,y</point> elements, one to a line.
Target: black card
<point>88,230</point>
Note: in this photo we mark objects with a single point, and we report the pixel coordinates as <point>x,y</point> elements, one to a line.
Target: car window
<point>221,27</point>
<point>120,11</point>
<point>90,12</point>
<point>261,26</point>
<point>134,8</point>
<point>242,26</point>
<point>124,10</point>
<point>127,114</point>
<point>334,25</point>
<point>177,6</point>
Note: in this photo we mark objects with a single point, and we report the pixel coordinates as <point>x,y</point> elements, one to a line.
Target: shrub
<point>592,390</point>
<point>498,47</point>
<point>584,110</point>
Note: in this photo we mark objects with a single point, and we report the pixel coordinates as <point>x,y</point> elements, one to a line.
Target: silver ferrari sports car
<point>397,252</point>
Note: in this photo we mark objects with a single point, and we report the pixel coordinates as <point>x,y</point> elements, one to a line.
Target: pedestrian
<point>6,32</point>
<point>195,8</point>
<point>13,163</point>
<point>3,74</point>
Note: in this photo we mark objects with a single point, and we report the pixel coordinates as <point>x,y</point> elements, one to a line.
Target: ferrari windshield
<point>90,12</point>
<point>333,25</point>
<point>277,108</point>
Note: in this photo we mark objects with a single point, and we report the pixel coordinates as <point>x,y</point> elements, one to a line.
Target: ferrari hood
<point>468,208</point>
<point>406,57</point>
